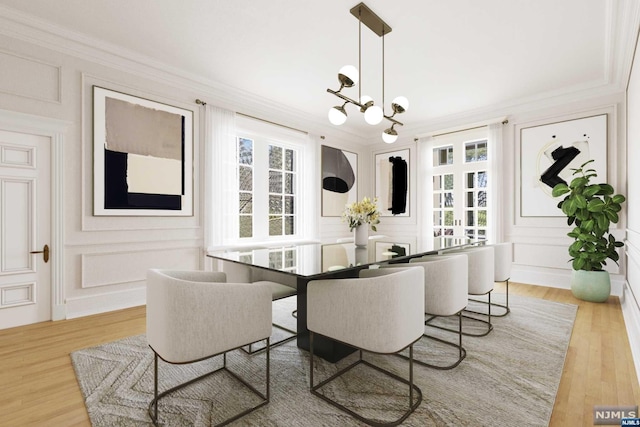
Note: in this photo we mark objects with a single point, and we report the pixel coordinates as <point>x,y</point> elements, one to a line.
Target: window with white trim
<point>268,187</point>
<point>460,185</point>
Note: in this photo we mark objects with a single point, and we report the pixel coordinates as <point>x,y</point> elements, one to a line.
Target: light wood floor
<point>38,385</point>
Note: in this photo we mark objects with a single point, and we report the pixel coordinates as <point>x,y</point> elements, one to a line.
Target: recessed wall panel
<point>115,268</point>
<point>43,82</point>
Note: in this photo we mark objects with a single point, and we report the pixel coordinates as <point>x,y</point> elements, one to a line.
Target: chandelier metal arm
<point>392,120</point>
<point>345,98</point>
<point>354,102</point>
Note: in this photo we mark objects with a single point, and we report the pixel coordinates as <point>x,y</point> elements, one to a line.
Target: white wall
<point>631,297</point>
<point>540,243</point>
<point>106,258</point>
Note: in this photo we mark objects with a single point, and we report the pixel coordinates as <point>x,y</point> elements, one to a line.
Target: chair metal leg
<point>413,389</point>
<point>462,352</point>
<point>487,322</point>
<point>265,397</point>
<point>250,350</point>
<point>505,306</point>
<point>155,388</point>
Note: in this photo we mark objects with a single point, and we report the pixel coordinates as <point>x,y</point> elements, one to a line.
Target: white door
<point>25,228</point>
<point>459,183</point>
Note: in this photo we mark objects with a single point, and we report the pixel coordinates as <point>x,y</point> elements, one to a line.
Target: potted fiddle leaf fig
<point>591,209</point>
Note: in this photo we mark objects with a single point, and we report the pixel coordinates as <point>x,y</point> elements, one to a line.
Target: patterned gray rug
<point>509,377</point>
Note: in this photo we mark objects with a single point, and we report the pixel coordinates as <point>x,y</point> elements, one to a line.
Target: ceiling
<point>449,58</point>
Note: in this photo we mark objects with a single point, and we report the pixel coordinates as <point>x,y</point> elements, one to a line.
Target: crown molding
<point>36,31</point>
<point>623,21</point>
<point>622,17</point>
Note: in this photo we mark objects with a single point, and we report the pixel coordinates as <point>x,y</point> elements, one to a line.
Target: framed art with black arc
<point>143,156</point>
<point>339,180</point>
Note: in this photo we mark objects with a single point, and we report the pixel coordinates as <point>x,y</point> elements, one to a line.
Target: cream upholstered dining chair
<point>480,279</point>
<point>196,315</point>
<point>281,285</point>
<point>382,311</point>
<point>503,259</point>
<point>445,294</point>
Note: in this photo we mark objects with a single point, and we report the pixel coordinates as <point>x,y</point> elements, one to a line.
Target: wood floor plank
<point>39,387</point>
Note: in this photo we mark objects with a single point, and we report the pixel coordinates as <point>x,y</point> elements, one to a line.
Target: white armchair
<point>446,294</point>
<point>196,315</point>
<point>503,256</point>
<point>282,286</point>
<point>481,279</point>
<point>380,312</point>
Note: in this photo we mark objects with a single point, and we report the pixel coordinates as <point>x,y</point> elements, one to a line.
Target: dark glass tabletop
<point>312,259</point>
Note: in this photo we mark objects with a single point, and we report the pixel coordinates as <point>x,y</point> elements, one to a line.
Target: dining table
<point>307,261</point>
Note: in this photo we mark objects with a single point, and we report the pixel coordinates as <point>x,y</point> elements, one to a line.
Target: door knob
<point>44,252</point>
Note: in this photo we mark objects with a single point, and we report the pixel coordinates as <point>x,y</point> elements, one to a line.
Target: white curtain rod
<point>203,103</point>
<point>471,126</point>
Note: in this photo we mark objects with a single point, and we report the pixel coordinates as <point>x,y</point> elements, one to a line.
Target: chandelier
<point>348,76</point>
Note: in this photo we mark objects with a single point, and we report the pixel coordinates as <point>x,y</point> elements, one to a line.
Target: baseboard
<point>631,313</point>
<point>105,302</point>
<point>556,278</point>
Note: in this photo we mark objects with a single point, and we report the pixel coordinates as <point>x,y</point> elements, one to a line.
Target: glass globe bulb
<point>337,115</point>
<point>400,104</point>
<point>351,73</point>
<point>373,115</point>
<point>389,138</point>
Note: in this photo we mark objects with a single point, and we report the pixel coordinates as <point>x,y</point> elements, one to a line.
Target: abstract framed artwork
<point>549,152</point>
<point>392,182</point>
<point>339,180</point>
<point>142,156</point>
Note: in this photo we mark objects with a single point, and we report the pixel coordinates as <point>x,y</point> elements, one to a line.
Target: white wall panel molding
<point>633,269</point>
<point>631,313</point>
<point>550,256</point>
<point>165,238</point>
<point>127,267</point>
<point>87,305</point>
<point>555,278</point>
<point>44,84</point>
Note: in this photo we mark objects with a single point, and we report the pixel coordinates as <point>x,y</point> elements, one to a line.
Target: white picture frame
<point>142,156</point>
<point>383,192</point>
<point>587,136</point>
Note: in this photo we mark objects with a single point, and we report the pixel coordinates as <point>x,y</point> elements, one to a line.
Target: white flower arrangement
<point>363,212</point>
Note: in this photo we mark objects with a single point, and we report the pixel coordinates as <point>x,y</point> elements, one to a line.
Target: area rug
<point>509,377</point>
